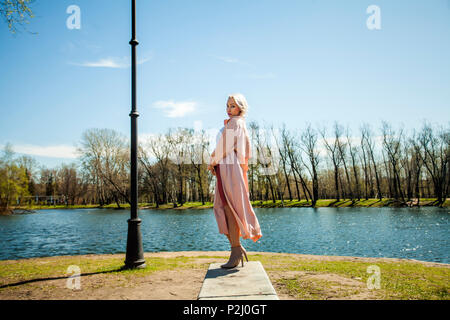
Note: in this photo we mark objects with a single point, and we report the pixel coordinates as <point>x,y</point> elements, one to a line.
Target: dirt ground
<point>184,284</point>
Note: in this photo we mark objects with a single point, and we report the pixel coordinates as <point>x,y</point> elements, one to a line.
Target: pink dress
<point>230,159</point>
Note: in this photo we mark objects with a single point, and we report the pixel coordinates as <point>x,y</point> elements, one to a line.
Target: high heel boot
<point>235,257</point>
<point>242,248</point>
<point>244,252</point>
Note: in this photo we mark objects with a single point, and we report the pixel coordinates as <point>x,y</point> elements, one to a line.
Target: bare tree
<point>369,144</point>
<point>354,156</point>
<point>366,166</point>
<point>392,145</point>
<point>69,185</point>
<point>173,169</point>
<point>298,164</point>
<point>178,142</point>
<point>266,162</point>
<point>150,178</point>
<point>407,164</point>
<point>197,152</point>
<point>284,151</point>
<point>159,147</point>
<point>105,153</point>
<point>342,148</point>
<point>333,152</point>
<point>253,164</point>
<point>309,146</point>
<point>291,153</point>
<point>435,156</point>
<point>417,165</point>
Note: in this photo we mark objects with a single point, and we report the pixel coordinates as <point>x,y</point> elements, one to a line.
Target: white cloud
<point>144,60</point>
<point>71,47</point>
<point>57,151</point>
<point>111,62</point>
<point>268,75</point>
<point>227,59</point>
<point>176,109</point>
<point>232,60</point>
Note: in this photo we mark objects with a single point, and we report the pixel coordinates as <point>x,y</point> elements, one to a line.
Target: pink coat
<point>231,154</point>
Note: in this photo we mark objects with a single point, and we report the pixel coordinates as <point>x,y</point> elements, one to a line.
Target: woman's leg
<point>233,236</point>
<point>228,236</point>
<point>233,228</point>
<point>242,247</point>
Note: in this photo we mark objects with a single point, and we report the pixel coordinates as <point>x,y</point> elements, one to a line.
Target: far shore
<point>179,276</point>
<point>370,203</point>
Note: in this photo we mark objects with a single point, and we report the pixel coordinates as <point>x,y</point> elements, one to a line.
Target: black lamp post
<point>135,253</point>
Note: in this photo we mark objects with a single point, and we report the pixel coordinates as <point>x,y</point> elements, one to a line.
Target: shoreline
<point>323,203</point>
<point>175,254</point>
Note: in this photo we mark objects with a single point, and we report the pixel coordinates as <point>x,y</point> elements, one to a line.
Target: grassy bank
<point>179,275</point>
<point>348,203</point>
<point>370,203</point>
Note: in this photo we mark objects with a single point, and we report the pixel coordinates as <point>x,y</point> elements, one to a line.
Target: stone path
<point>241,283</point>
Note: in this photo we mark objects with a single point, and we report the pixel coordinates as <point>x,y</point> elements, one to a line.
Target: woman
<point>229,163</point>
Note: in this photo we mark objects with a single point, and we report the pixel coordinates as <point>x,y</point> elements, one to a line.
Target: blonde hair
<point>241,102</point>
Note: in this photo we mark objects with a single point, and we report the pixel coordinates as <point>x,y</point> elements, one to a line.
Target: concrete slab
<point>241,283</point>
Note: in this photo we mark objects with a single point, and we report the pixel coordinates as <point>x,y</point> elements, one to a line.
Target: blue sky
<point>295,61</point>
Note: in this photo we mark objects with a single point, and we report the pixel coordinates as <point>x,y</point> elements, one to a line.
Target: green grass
<point>316,289</point>
<point>342,203</point>
<point>375,203</point>
<point>51,267</point>
<point>404,280</point>
<point>399,280</point>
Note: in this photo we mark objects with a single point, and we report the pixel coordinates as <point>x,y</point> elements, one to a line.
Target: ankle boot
<point>235,256</point>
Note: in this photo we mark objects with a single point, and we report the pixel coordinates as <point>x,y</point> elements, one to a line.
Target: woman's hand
<point>244,167</point>
<point>211,168</point>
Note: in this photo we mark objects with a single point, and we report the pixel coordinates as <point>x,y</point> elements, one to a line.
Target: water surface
<point>412,233</point>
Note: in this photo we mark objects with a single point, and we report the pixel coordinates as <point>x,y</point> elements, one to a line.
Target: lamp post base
<point>135,253</point>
